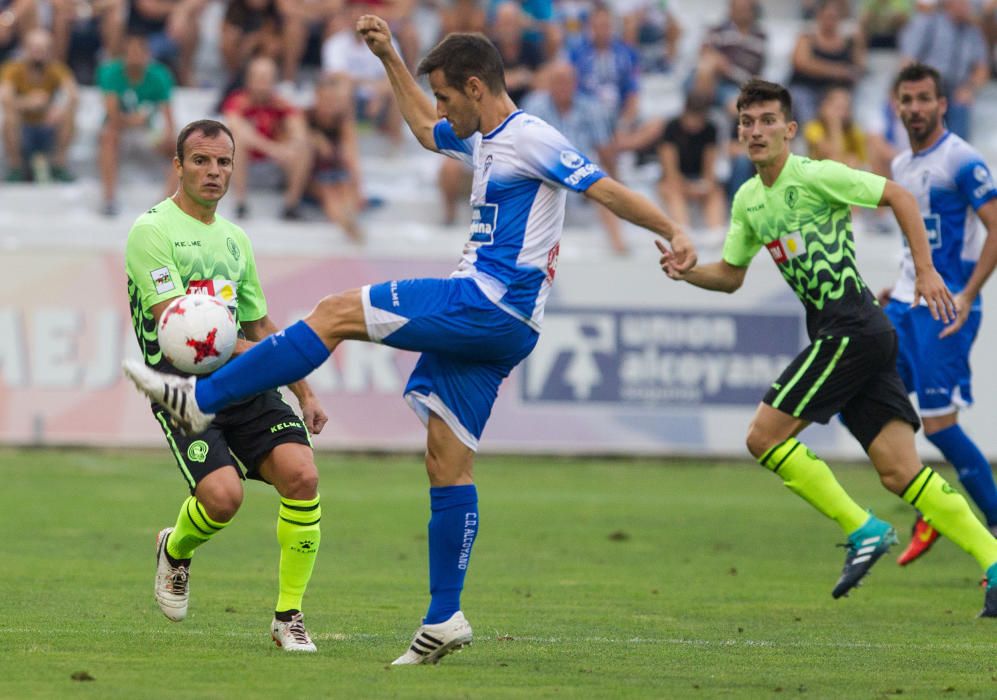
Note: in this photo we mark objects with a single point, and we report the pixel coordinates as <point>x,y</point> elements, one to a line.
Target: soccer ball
<point>197,333</point>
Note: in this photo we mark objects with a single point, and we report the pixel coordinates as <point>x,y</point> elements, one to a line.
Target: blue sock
<point>452,529</point>
<point>973,468</point>
<point>278,359</point>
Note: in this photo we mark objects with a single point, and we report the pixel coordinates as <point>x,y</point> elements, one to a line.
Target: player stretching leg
<point>950,180</point>
<point>471,328</point>
<point>800,211</point>
<point>181,246</point>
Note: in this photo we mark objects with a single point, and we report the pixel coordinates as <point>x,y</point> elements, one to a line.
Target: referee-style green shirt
<point>804,220</point>
<point>170,253</point>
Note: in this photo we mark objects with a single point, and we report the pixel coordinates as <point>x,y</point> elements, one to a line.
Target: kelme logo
<point>198,451</point>
<point>792,196</point>
<point>232,248</point>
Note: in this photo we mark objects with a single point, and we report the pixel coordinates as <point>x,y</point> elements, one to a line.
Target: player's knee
<point>758,440</point>
<point>220,502</point>
<point>299,482</point>
<point>335,315</point>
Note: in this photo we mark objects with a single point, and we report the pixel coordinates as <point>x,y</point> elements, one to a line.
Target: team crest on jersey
<point>792,196</point>
<point>483,220</point>
<point>786,248</point>
<point>233,249</point>
<point>571,159</point>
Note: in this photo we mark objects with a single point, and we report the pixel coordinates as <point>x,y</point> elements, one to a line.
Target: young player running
<point>799,210</point>
<point>471,328</point>
<point>955,192</point>
<point>182,246</point>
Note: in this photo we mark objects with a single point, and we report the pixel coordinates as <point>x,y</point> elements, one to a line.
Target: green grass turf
<point>590,578</point>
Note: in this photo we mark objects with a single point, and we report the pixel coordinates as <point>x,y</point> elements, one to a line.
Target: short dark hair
<point>919,71</point>
<point>757,90</point>
<point>462,56</point>
<point>209,127</point>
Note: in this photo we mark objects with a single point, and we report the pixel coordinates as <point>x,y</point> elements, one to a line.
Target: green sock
<point>811,479</point>
<point>193,529</point>
<point>299,536</point>
<point>946,510</point>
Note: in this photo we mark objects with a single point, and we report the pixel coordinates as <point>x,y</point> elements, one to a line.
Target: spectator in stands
<point>84,31</point>
<point>249,28</point>
<point>732,52</point>
<point>950,40</point>
<point>833,134</point>
<point>653,30</point>
<point>345,52</point>
<point>303,24</point>
<point>540,26</point>
<point>824,58</point>
<point>17,18</point>
<point>741,168</point>
<point>688,152</point>
<point>39,96</point>
<point>608,69</point>
<point>462,16</point>
<point>882,20</point>
<point>137,93</point>
<point>885,137</point>
<point>335,179</point>
<point>988,23</point>
<point>268,128</point>
<point>173,29</point>
<point>584,123</point>
<point>521,56</point>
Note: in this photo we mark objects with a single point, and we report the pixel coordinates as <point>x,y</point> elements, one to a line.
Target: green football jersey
<point>804,220</point>
<point>170,253</point>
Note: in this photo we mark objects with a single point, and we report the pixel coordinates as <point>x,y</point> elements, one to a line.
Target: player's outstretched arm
<point>639,210</point>
<point>717,277</point>
<point>415,107</point>
<point>928,283</point>
<point>984,266</point>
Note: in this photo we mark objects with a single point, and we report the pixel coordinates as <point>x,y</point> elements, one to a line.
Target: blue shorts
<point>936,369</point>
<point>468,346</point>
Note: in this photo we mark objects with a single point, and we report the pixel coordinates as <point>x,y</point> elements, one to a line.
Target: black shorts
<point>855,376</point>
<point>241,436</point>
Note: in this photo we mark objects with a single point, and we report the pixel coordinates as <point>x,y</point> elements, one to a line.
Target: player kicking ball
<point>799,210</point>
<point>955,193</point>
<point>472,328</point>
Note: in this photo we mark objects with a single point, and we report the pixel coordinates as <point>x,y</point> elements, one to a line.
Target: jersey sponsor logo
<point>580,174</point>
<point>552,256</point>
<point>284,426</point>
<point>786,248</point>
<point>933,225</point>
<point>756,207</point>
<point>186,244</point>
<point>226,290</point>
<point>983,177</point>
<point>161,278</point>
<point>198,451</point>
<point>233,249</point>
<point>792,196</point>
<point>484,218</point>
<point>571,159</point>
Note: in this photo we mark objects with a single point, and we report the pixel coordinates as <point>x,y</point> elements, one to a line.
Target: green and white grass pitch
<point>589,579</point>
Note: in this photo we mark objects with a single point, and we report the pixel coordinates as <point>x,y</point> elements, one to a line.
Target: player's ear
<point>473,88</point>
<point>791,126</point>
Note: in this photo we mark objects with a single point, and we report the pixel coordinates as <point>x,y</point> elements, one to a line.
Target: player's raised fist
<point>376,33</point>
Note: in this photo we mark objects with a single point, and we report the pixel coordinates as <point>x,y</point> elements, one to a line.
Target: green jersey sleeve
<point>836,182</point>
<point>151,266</point>
<point>252,303</point>
<point>741,244</point>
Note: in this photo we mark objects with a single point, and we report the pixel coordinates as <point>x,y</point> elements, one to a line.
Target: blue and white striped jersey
<point>521,171</point>
<point>950,181</point>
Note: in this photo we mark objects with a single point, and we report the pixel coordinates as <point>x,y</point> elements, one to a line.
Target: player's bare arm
<point>415,107</point>
<point>929,284</point>
<point>984,266</point>
<point>717,277</point>
<point>638,209</point>
<point>311,409</point>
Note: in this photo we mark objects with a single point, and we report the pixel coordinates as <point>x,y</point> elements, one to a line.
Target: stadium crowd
<point>297,85</point>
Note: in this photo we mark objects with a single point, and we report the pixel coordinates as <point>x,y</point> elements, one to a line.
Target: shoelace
<point>177,580</point>
<point>297,630</point>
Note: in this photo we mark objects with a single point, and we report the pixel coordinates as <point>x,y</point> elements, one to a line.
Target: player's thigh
<point>257,426</point>
<point>290,467</point>
<point>199,455</point>
<point>942,364</point>
<point>446,316</point>
<point>449,462</point>
<point>880,400</point>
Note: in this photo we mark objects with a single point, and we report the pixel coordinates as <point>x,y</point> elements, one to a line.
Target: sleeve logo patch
<point>570,159</point>
<point>161,278</point>
<point>786,248</point>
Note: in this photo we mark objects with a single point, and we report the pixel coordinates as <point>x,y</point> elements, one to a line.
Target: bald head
<point>38,45</point>
<point>563,83</point>
<point>261,78</point>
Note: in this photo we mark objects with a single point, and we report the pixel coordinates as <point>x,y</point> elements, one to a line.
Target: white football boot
<point>174,393</point>
<point>432,642</point>
<point>172,585</point>
<point>292,636</point>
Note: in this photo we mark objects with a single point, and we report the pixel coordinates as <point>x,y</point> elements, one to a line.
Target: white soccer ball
<point>197,333</point>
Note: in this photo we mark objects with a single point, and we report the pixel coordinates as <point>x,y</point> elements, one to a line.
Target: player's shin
<point>279,359</point>
<point>193,529</point>
<point>811,479</point>
<point>947,511</point>
<point>299,535</point>
<point>974,470</point>
<point>452,529</point>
